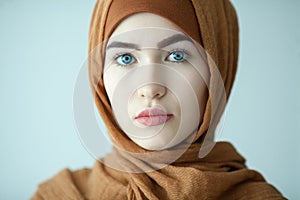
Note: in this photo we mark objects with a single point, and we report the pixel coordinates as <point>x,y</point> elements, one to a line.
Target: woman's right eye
<point>125,59</point>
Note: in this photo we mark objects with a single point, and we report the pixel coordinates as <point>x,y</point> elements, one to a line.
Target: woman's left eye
<point>177,56</point>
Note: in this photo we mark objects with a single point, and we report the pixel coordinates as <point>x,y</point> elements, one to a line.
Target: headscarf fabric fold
<point>222,174</point>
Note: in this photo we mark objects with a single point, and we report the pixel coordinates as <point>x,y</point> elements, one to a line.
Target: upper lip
<point>151,112</point>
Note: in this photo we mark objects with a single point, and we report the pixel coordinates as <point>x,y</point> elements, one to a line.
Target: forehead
<point>144,20</point>
<point>146,30</point>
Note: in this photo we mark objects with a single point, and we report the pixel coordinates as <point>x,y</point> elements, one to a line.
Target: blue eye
<point>177,56</point>
<point>125,59</point>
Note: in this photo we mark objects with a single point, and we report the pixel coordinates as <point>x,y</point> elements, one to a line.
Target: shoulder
<point>66,184</point>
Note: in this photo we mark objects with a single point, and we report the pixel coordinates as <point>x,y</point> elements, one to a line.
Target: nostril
<point>151,91</point>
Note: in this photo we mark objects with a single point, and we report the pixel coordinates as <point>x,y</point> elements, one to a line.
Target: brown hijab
<point>222,173</point>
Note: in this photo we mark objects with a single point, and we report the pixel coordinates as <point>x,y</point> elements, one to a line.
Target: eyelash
<point>115,58</point>
<point>187,54</point>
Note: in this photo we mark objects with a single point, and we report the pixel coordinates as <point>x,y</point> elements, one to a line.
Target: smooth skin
<point>145,39</point>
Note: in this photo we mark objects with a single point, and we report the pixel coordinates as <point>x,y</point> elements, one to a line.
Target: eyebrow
<point>122,45</point>
<point>165,42</point>
<point>173,39</point>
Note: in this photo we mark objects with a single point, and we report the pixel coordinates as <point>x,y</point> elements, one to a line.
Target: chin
<point>155,144</point>
<point>164,139</point>
<point>152,145</point>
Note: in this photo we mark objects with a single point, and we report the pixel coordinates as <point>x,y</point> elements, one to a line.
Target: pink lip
<point>153,117</point>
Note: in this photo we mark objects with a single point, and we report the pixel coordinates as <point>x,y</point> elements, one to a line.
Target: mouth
<point>153,117</point>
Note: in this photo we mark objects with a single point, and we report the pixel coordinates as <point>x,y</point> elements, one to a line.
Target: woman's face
<point>156,80</point>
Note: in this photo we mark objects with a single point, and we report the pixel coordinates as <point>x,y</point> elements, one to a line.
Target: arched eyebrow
<point>125,45</point>
<point>165,42</point>
<point>173,39</point>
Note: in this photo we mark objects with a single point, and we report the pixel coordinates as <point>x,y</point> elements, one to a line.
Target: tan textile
<point>221,174</point>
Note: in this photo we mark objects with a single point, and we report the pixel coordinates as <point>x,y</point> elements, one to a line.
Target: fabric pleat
<point>222,174</point>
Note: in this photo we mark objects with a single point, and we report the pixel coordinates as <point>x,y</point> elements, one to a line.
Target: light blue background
<point>44,43</point>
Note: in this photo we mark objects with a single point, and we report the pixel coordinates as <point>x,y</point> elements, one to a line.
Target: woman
<point>161,72</point>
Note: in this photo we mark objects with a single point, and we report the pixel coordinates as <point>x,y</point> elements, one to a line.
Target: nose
<point>152,91</point>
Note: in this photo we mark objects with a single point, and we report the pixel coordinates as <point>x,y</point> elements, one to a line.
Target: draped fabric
<point>222,174</point>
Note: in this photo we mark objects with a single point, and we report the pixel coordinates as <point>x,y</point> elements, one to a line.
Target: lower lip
<point>154,120</point>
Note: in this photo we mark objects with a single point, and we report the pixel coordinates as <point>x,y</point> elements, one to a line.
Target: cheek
<point>202,98</point>
<point>111,78</point>
<point>107,85</point>
<point>198,85</point>
<point>201,90</point>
